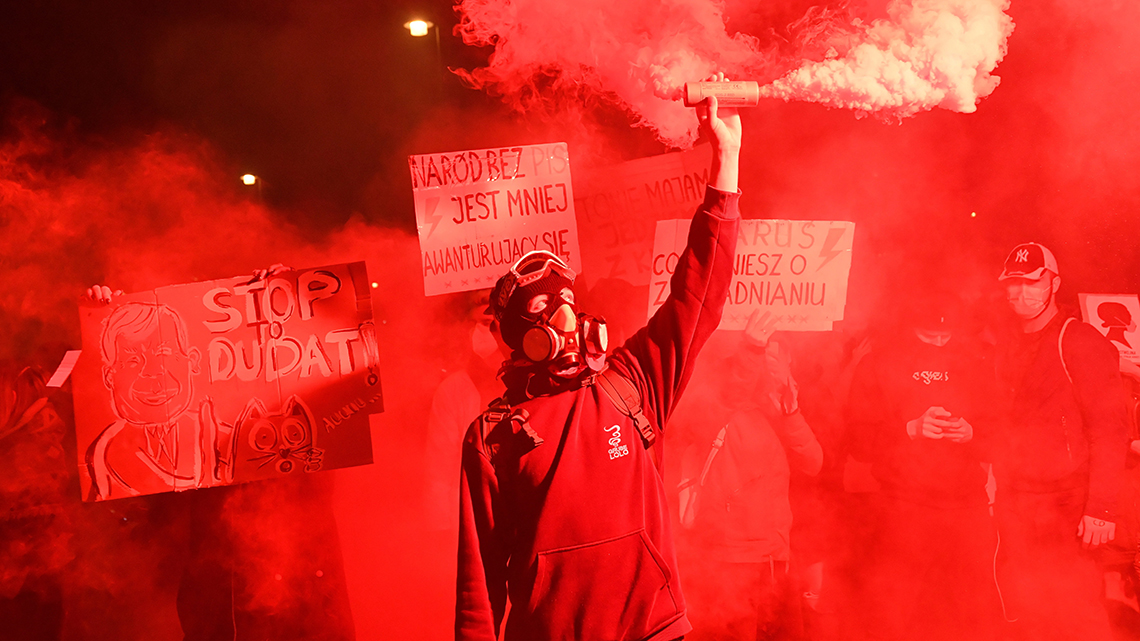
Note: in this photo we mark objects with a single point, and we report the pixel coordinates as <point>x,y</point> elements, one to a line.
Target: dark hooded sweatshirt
<point>1062,434</point>
<point>576,529</point>
<point>897,384</point>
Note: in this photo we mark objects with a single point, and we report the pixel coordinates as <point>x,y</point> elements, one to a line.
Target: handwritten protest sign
<point>226,381</point>
<point>1116,316</point>
<point>797,269</point>
<point>478,211</point>
<point>618,208</point>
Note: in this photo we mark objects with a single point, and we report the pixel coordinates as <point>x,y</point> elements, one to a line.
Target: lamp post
<point>420,28</point>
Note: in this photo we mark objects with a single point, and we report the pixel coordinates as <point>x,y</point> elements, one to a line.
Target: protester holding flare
<point>562,505</point>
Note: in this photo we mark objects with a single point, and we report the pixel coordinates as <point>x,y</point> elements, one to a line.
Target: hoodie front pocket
<point>613,589</point>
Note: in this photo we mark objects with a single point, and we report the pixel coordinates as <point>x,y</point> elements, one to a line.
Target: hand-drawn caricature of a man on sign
<point>158,442</point>
<point>227,381</point>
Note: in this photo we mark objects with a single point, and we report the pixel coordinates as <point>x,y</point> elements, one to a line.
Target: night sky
<point>325,101</point>
<point>310,96</point>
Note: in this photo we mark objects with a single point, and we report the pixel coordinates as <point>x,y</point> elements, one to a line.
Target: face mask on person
<point>1029,298</point>
<point>483,342</point>
<point>935,337</point>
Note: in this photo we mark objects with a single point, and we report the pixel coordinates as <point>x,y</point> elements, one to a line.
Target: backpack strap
<point>627,400</point>
<point>499,410</point>
<point>619,389</point>
<point>1061,350</point>
<point>691,490</point>
<point>717,443</point>
<point>496,411</point>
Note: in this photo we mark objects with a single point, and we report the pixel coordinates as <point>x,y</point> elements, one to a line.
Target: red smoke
<point>1050,156</point>
<point>162,209</point>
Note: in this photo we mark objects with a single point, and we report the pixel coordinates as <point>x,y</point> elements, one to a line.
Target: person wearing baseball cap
<point>1061,453</point>
<point>1031,279</point>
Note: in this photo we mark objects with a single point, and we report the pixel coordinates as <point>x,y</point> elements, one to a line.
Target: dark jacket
<point>1060,435</point>
<point>897,383</point>
<point>576,529</point>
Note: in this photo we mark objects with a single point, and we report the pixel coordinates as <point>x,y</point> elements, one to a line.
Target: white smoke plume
<point>930,53</point>
<point>549,54</point>
<point>637,53</point>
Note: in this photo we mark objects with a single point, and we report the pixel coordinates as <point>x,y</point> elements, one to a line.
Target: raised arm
<point>660,357</point>
<point>722,126</point>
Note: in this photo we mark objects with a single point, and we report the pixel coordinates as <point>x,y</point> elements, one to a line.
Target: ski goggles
<point>531,268</point>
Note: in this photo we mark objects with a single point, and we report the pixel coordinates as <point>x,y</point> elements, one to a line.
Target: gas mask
<point>566,339</point>
<point>557,336</point>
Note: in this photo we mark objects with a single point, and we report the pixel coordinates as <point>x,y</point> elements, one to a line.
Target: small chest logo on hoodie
<point>617,450</point>
<point>929,377</point>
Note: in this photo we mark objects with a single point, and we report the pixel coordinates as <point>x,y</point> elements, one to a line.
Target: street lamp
<point>418,28</point>
<point>251,180</point>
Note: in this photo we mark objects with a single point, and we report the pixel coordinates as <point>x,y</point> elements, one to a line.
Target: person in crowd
<point>251,561</point>
<point>563,508</point>
<point>471,384</point>
<point>919,413</point>
<point>858,506</point>
<point>748,434</point>
<point>816,499</point>
<point>1120,558</point>
<point>1062,453</point>
<point>463,394</point>
<point>35,524</point>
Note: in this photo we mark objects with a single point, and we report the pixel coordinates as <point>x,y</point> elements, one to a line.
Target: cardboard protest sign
<point>797,269</point>
<point>618,208</point>
<point>478,211</point>
<point>226,381</point>
<point>1115,316</point>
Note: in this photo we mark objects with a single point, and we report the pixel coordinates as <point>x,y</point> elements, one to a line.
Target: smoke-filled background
<point>125,126</point>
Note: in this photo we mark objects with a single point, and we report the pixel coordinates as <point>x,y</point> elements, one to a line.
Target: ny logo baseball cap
<point>1028,260</point>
